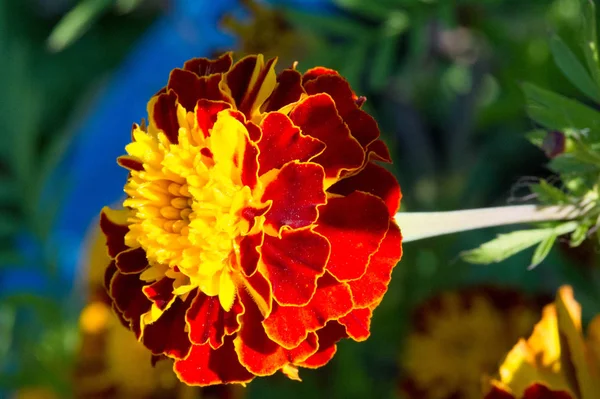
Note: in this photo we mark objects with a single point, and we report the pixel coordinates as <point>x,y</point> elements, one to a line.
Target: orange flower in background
<point>258,230</point>
<point>461,336</point>
<point>557,361</point>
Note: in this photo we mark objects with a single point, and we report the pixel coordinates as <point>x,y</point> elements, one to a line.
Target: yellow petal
<point>226,291</point>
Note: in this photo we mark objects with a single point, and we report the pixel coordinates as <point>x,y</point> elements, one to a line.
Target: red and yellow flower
<point>557,361</point>
<point>258,230</point>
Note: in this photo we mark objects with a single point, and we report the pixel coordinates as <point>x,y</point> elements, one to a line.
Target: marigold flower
<point>556,360</point>
<point>258,229</point>
<point>461,336</point>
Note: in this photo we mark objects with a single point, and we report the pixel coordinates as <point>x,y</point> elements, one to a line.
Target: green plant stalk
<point>420,225</point>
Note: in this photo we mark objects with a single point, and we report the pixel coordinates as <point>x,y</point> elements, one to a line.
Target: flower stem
<point>420,225</point>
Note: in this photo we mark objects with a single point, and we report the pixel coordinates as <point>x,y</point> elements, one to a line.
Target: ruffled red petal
<point>290,325</point>
<point>250,164</point>
<point>190,88</point>
<point>208,322</point>
<point>160,292</point>
<point>315,72</point>
<point>370,288</point>
<point>114,233</point>
<point>355,226</point>
<point>132,260</point>
<point>259,354</point>
<point>328,337</point>
<point>282,142</point>
<point>375,180</point>
<point>293,263</point>
<point>358,323</point>
<point>288,90</point>
<point>249,255</point>
<point>498,393</point>
<point>207,366</point>
<point>206,114</point>
<point>296,192</point>
<point>128,297</point>
<point>534,391</point>
<point>164,115</point>
<point>206,67</point>
<point>378,151</point>
<point>168,335</point>
<point>317,116</point>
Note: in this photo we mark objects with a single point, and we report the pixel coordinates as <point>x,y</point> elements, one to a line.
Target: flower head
<point>459,337</point>
<point>258,230</point>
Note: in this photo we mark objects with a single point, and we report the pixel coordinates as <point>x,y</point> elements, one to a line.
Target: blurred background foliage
<point>442,78</point>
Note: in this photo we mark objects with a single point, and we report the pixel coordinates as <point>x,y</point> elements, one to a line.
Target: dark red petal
<point>378,151</point>
<point>370,288</point>
<point>167,335</point>
<point>206,114</point>
<point>539,391</point>
<point>164,115</point>
<point>317,116</point>
<point>130,163</point>
<point>375,180</point>
<point>207,366</point>
<point>288,90</point>
<point>282,142</point>
<point>259,288</point>
<point>208,322</point>
<point>355,226</point>
<point>251,213</point>
<point>110,271</point>
<point>296,192</point>
<point>132,260</point>
<point>337,87</point>
<point>362,126</point>
<point>293,263</point>
<point>290,325</point>
<point>498,393</point>
<point>328,337</point>
<point>205,67</point>
<point>160,292</point>
<point>190,88</point>
<point>115,235</point>
<point>249,254</point>
<point>126,292</point>
<point>259,354</point>
<point>239,79</point>
<point>315,72</point>
<point>250,164</point>
<point>358,323</point>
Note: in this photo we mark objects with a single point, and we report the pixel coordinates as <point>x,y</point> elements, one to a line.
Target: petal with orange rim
<point>162,111</point>
<point>498,393</point>
<point>296,191</point>
<point>207,366</point>
<point>206,114</point>
<point>317,117</point>
<point>288,90</point>
<point>370,288</point>
<point>206,67</point>
<point>378,151</point>
<point>375,180</point>
<point>208,322</point>
<point>190,88</point>
<point>126,293</point>
<point>132,260</point>
<point>354,226</point>
<point>249,254</point>
<point>357,323</point>
<point>114,226</point>
<point>290,325</point>
<point>168,334</point>
<point>293,263</point>
<point>160,292</point>
<point>259,354</point>
<point>328,337</point>
<point>539,391</point>
<point>315,72</point>
<point>283,142</point>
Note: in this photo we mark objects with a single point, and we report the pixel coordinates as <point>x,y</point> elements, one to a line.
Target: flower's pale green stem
<point>420,225</point>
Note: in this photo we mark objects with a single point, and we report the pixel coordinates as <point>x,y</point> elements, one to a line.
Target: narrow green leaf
<point>542,251</point>
<point>590,46</point>
<point>548,194</point>
<point>560,113</point>
<point>381,67</point>
<point>573,69</point>
<point>127,6</point>
<point>75,23</point>
<point>326,25</point>
<point>507,245</point>
<point>579,235</point>
<point>569,165</point>
<point>536,137</point>
<point>369,9</point>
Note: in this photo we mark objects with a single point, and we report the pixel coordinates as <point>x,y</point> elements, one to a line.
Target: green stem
<point>419,225</point>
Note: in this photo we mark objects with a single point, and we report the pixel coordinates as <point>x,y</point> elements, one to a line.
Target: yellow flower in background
<point>458,338</point>
<point>556,356</point>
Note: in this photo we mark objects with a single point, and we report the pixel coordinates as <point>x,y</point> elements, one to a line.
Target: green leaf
<point>548,194</point>
<point>506,245</point>
<point>579,235</point>
<point>75,23</point>
<point>542,251</point>
<point>127,6</point>
<point>573,69</point>
<point>569,165</point>
<point>590,46</point>
<point>536,137</point>
<point>325,25</point>
<point>369,9</point>
<point>381,66</point>
<point>560,113</point>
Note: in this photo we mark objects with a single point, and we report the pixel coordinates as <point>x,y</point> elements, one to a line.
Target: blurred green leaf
<point>382,64</point>
<point>507,245</point>
<point>580,234</point>
<point>567,164</point>
<point>127,6</point>
<point>75,23</point>
<point>542,251</point>
<point>573,69</point>
<point>558,112</point>
<point>326,25</point>
<point>370,9</point>
<point>590,46</point>
<point>548,194</point>
<point>536,137</point>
